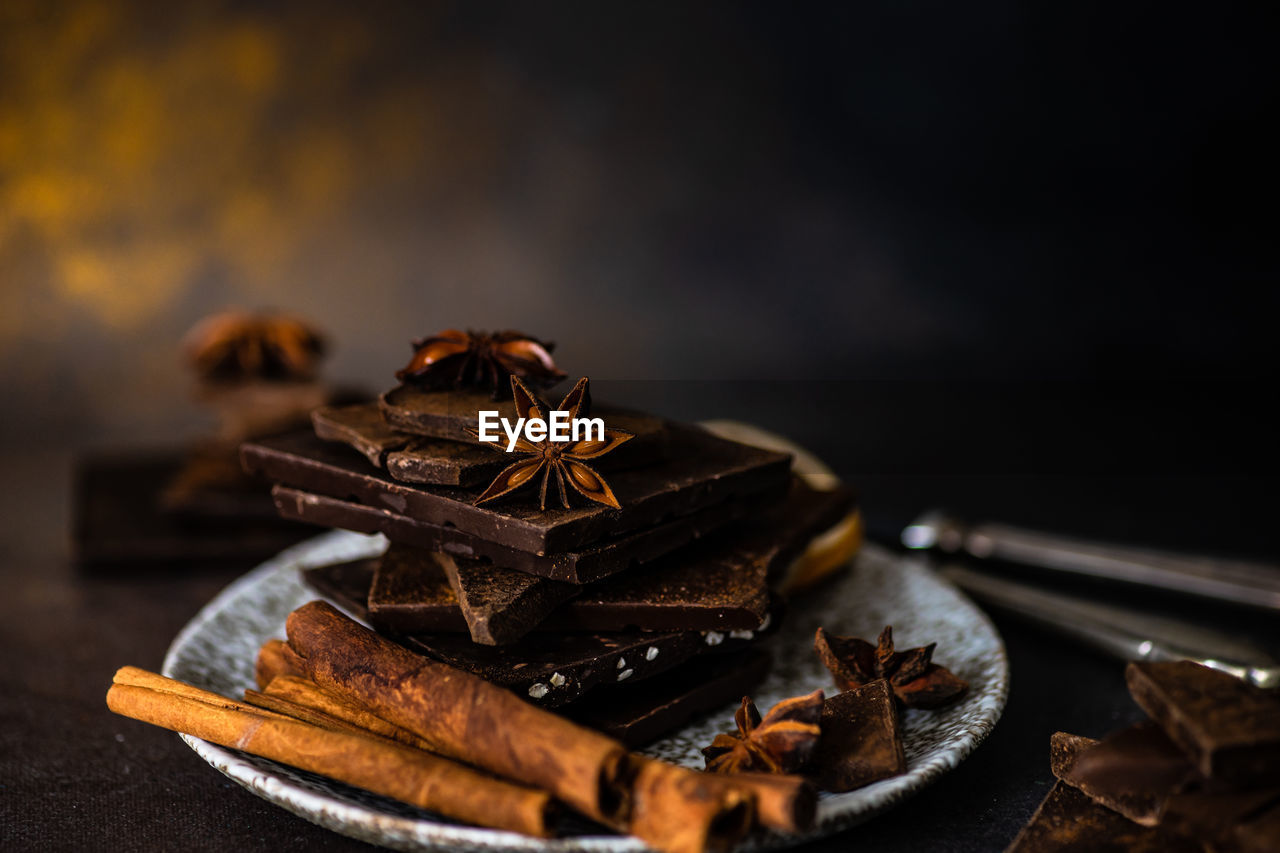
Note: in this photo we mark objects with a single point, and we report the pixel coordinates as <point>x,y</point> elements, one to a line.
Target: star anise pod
<point>916,681</point>
<point>455,359</point>
<point>780,743</point>
<point>240,345</point>
<point>563,460</point>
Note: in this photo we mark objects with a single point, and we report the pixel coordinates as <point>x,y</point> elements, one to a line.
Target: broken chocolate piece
<point>705,471</point>
<point>861,742</point>
<point>1069,822</point>
<point>1261,833</point>
<point>1214,817</point>
<point>1133,772</point>
<point>499,605</point>
<point>449,414</point>
<point>1228,728</point>
<point>639,715</point>
<point>361,427</point>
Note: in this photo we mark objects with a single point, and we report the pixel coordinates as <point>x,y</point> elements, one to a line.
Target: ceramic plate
<point>217,650</point>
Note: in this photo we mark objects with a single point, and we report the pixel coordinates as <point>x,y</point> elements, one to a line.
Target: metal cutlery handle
<point>1235,581</point>
<point>1126,633</point>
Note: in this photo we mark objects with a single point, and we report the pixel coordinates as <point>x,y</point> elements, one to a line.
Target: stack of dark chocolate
<point>1202,774</point>
<point>631,619</point>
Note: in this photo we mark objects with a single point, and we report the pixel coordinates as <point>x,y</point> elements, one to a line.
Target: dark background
<point>1013,258</point>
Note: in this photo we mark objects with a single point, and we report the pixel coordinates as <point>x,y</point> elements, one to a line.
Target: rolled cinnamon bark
<point>304,693</point>
<point>275,658</point>
<point>132,676</point>
<point>462,716</point>
<point>783,803</point>
<point>678,810</point>
<point>372,763</point>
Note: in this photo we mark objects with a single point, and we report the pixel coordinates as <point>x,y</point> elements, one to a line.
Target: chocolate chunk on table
<point>119,522</point>
<point>860,741</point>
<point>640,714</point>
<point>703,471</point>
<point>1228,728</point>
<point>555,669</point>
<point>1133,772</point>
<point>1260,833</point>
<point>1067,821</point>
<point>589,563</point>
<point>1216,818</point>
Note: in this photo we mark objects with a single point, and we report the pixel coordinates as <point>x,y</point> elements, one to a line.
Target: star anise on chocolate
<point>239,345</point>
<point>780,743</point>
<point>565,461</point>
<point>916,681</point>
<point>455,359</point>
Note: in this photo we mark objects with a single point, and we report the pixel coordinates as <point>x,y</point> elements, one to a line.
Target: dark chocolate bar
<point>703,471</point>
<point>590,563</point>
<point>360,427</point>
<point>1133,772</point>
<point>1260,833</point>
<point>1069,822</point>
<point>860,741</point>
<point>1228,728</point>
<point>1216,818</point>
<point>640,714</point>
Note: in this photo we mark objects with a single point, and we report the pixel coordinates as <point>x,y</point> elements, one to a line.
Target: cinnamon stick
<point>372,763</point>
<point>275,658</point>
<point>678,810</point>
<point>304,693</point>
<point>462,716</point>
<point>783,803</point>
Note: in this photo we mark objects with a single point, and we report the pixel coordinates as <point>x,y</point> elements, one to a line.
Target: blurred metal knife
<point>1235,581</point>
<point>1128,634</point>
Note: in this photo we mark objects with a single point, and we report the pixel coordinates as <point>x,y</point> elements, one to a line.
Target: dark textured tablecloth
<point>75,777</point>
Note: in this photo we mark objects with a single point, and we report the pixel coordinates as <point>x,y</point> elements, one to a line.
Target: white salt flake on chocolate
<point>651,653</point>
<point>622,663</point>
<point>714,638</point>
<point>625,674</point>
<point>539,690</point>
<point>742,635</point>
<point>558,680</point>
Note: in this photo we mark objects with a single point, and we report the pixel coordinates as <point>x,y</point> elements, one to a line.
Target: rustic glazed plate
<point>217,649</point>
